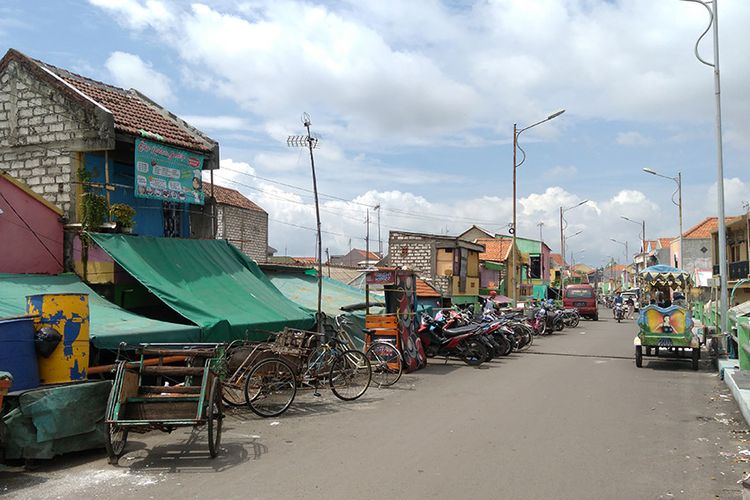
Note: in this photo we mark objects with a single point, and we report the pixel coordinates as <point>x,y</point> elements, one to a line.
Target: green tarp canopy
<point>303,289</point>
<point>209,282</point>
<point>108,324</point>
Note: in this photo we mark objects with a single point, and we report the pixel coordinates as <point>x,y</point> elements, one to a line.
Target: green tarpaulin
<point>209,282</point>
<point>303,289</point>
<point>109,324</point>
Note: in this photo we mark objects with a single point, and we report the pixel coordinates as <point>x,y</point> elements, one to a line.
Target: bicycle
<point>385,358</point>
<point>272,384</point>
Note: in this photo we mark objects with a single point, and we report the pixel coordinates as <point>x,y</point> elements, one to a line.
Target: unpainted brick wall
<point>39,132</point>
<point>245,229</point>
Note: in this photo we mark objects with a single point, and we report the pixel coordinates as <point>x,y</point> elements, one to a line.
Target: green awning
<point>303,290</point>
<point>109,324</point>
<point>209,282</point>
<point>495,266</point>
<point>464,299</point>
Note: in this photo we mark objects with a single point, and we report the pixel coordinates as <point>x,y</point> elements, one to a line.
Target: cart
<point>666,328</point>
<point>158,397</point>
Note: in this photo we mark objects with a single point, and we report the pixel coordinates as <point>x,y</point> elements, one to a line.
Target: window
<point>579,293</point>
<point>535,268</point>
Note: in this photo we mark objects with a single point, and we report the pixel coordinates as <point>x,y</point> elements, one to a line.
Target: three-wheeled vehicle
<point>665,323</point>
<point>145,396</point>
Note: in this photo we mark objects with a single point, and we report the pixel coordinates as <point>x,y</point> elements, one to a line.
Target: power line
<point>440,217</point>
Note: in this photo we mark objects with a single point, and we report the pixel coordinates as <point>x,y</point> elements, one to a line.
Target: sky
<point>414,105</point>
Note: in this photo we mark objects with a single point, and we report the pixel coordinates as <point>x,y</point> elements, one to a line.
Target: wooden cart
<point>145,398</point>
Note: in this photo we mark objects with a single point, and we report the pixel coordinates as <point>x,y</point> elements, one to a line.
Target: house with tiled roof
<point>697,245</point>
<point>85,146</point>
<point>240,221</point>
<point>448,263</point>
<point>355,258</point>
<point>499,256</point>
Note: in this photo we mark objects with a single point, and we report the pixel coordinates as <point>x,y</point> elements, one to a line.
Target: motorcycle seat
<point>459,330</point>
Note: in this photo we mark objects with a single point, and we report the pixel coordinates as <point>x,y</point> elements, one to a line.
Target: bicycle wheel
<point>350,376</point>
<point>270,387</point>
<point>386,363</point>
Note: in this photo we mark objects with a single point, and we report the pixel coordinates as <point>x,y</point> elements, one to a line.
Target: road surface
<point>571,419</point>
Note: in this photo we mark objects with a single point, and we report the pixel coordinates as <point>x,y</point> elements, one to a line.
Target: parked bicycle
<point>301,362</point>
<point>385,358</point>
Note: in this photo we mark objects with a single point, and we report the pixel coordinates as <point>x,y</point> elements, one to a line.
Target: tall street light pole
<point>626,259</point>
<point>643,237</point>
<point>714,15</point>
<point>678,180</point>
<point>562,241</point>
<point>517,132</point>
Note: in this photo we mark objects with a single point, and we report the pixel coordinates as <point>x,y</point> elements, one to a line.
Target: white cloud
<point>736,193</point>
<point>631,139</point>
<point>219,122</point>
<point>561,171</point>
<point>130,71</point>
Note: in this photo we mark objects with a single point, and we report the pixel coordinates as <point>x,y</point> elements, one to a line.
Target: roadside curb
<point>727,369</point>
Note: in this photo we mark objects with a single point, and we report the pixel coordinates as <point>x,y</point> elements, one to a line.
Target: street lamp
<point>643,237</point>
<point>678,180</point>
<point>562,239</point>
<point>626,258</point>
<point>517,132</point>
<point>714,14</point>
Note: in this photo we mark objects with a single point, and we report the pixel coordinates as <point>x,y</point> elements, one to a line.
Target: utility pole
<point>311,143</point>
<point>380,241</point>
<point>367,262</point>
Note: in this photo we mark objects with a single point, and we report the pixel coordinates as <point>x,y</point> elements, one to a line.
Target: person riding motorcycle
<point>618,301</point>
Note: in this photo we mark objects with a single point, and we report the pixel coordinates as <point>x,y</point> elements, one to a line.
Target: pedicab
<point>665,324</point>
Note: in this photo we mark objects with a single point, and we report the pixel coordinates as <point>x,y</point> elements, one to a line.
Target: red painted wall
<point>20,251</point>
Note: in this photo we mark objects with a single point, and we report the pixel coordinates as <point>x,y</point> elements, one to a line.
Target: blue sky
<point>415,104</point>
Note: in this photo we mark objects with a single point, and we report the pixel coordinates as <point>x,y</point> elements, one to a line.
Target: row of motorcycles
<point>476,340</point>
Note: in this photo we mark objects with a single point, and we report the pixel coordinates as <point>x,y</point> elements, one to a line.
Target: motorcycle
<point>619,312</point>
<point>463,342</point>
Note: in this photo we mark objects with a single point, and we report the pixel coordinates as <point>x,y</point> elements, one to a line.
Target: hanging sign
<point>381,277</point>
<point>168,174</point>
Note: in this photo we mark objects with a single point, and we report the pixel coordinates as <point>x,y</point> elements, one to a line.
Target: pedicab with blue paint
<point>665,323</point>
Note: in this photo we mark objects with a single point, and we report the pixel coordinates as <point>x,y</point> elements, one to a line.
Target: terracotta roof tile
<point>424,289</point>
<point>231,197</point>
<point>665,242</point>
<point>132,111</point>
<point>557,259</point>
<point>495,250</point>
<point>703,229</point>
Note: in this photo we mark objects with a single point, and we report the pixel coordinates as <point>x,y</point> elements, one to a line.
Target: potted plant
<point>123,214</point>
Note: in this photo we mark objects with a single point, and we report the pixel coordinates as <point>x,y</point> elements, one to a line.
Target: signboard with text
<point>381,277</point>
<point>168,174</point>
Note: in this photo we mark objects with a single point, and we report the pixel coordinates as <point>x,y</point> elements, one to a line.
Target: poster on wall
<point>168,174</point>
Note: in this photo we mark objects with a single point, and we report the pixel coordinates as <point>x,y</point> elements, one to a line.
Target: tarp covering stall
<point>303,289</point>
<point>209,282</point>
<point>109,324</point>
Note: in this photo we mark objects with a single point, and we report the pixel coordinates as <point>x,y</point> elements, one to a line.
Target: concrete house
<point>241,222</point>
<point>495,261</point>
<point>698,247</point>
<point>355,258</point>
<point>56,126</point>
<point>738,256</point>
<point>448,263</point>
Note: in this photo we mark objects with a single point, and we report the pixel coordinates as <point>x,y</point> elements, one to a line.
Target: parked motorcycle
<point>460,342</point>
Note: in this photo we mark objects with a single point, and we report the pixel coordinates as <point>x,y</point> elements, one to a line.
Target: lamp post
<point>714,14</point>
<point>643,237</point>
<point>678,180</point>
<point>517,132</point>
<point>562,240</point>
<point>626,259</point>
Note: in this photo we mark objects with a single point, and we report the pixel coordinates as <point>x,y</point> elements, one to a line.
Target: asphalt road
<point>571,419</point>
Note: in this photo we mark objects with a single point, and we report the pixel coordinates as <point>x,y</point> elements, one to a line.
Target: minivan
<point>583,298</point>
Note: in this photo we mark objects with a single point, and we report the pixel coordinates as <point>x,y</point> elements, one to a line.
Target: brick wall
<point>245,229</point>
<point>41,133</point>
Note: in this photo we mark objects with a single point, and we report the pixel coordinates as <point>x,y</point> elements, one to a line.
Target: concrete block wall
<point>413,252</point>
<point>41,131</point>
<point>245,229</point>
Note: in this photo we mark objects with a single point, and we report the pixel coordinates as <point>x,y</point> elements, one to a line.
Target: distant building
<point>738,256</point>
<point>355,258</point>
<point>240,221</point>
<point>448,263</point>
